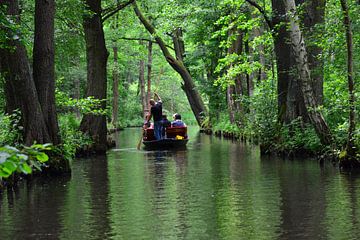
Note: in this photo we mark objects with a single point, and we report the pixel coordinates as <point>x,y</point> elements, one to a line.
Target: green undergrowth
<point>22,159</point>
<point>72,138</point>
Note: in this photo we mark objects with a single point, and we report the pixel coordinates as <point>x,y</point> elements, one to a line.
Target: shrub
<point>23,159</point>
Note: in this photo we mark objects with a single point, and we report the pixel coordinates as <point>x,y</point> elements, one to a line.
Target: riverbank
<point>277,149</point>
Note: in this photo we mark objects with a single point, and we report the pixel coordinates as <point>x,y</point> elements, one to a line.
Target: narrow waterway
<point>215,189</point>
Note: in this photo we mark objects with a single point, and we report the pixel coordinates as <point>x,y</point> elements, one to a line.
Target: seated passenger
<point>177,121</point>
<point>164,124</point>
<point>146,124</point>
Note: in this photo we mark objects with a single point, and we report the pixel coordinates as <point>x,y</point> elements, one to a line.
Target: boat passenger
<point>165,123</point>
<point>156,114</point>
<point>147,123</point>
<point>177,121</point>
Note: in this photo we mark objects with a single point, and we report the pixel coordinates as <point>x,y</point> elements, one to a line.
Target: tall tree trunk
<point>350,146</point>
<point>115,75</point>
<point>282,52</point>
<point>290,101</point>
<point>142,83</point>
<point>43,64</point>
<point>149,68</point>
<point>258,31</point>
<point>231,93</point>
<point>300,57</point>
<point>19,83</point>
<point>313,19</point>
<point>239,88</point>
<point>231,103</point>
<point>77,96</point>
<point>194,98</point>
<point>249,77</point>
<point>96,54</point>
<point>115,87</point>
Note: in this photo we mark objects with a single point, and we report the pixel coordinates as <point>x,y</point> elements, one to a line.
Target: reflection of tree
<point>303,200</point>
<point>246,207</point>
<point>180,158</point>
<point>86,212</point>
<point>159,173</point>
<point>97,176</point>
<point>342,207</point>
<point>33,210</point>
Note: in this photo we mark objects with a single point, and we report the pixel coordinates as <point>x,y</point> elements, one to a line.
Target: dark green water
<point>216,189</point>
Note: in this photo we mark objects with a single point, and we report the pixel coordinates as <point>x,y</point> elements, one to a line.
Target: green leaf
<point>25,168</point>
<point>42,157</point>
<point>12,149</point>
<point>4,156</point>
<point>36,164</point>
<point>4,174</point>
<point>11,166</point>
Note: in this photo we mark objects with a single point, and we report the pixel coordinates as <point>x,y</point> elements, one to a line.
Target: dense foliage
<point>229,48</point>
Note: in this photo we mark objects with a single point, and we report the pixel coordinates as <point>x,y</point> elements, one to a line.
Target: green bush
<point>10,129</point>
<point>72,138</point>
<point>23,159</point>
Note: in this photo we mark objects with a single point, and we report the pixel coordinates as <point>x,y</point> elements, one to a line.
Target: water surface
<point>216,189</point>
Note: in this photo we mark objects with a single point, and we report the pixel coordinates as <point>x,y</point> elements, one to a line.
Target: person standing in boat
<point>156,114</point>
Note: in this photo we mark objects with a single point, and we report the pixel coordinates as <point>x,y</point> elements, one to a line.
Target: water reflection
<point>216,189</point>
<point>87,201</point>
<point>25,212</point>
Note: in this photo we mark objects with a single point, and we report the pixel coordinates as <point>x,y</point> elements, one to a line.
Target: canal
<point>215,189</point>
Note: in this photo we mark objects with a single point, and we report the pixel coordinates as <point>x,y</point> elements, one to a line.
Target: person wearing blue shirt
<point>177,121</point>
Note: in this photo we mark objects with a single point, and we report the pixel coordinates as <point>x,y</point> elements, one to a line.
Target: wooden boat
<point>175,137</point>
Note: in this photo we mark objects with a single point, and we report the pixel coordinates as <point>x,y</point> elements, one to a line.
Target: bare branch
<point>110,12</point>
<point>262,11</point>
<point>152,31</point>
<point>143,39</point>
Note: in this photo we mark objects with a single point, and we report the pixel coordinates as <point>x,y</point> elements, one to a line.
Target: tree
<point>194,98</point>
<point>350,160</point>
<point>96,54</point>
<point>43,64</point>
<point>300,58</point>
<point>142,82</point>
<point>290,101</point>
<point>115,87</point>
<point>313,18</point>
<point>149,70</point>
<point>19,84</point>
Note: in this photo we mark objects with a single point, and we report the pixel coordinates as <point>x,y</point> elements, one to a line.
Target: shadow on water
<point>215,189</point>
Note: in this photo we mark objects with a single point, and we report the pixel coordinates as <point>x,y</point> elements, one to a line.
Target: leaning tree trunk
<point>193,96</point>
<point>300,57</point>
<point>350,160</point>
<point>44,65</point>
<point>96,54</point>
<point>19,84</point>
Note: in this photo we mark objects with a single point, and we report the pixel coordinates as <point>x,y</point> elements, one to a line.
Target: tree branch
<point>109,12</point>
<point>262,11</point>
<point>152,31</point>
<point>143,39</point>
